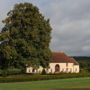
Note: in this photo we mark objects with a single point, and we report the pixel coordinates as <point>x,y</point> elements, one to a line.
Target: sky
<point>69,19</point>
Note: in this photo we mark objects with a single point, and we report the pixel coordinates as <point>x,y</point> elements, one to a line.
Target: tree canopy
<point>25,38</point>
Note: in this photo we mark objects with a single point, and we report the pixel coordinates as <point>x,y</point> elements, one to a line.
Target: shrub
<point>13,71</point>
<point>10,71</point>
<point>4,73</point>
<point>43,72</point>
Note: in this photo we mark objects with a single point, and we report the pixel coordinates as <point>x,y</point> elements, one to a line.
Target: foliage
<point>82,58</point>
<point>84,63</point>
<point>25,38</point>
<point>85,66</point>
<point>43,72</point>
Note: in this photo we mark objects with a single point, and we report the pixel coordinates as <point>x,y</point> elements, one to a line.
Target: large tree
<point>25,38</point>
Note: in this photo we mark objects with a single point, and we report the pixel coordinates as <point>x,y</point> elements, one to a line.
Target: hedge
<point>22,78</point>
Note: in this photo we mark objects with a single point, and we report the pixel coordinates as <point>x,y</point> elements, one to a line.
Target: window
<point>70,69</point>
<point>33,70</point>
<point>75,69</point>
<point>51,70</point>
<point>29,70</point>
<point>66,64</point>
<point>62,70</point>
<point>47,69</point>
<point>66,69</point>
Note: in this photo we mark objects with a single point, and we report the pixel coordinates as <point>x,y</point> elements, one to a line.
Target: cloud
<point>6,6</point>
<point>71,30</point>
<point>70,20</point>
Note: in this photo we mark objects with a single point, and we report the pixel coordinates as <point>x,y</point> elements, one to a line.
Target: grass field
<point>59,84</point>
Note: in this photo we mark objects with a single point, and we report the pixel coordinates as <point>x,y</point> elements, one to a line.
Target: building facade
<point>60,62</point>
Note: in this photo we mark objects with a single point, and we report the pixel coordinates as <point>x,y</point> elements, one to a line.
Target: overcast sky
<point>70,20</point>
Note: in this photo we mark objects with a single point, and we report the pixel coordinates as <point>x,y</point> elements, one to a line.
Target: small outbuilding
<point>60,62</point>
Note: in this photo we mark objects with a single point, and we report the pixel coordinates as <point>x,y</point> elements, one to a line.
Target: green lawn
<point>59,84</point>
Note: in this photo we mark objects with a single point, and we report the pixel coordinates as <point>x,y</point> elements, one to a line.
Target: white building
<point>60,62</point>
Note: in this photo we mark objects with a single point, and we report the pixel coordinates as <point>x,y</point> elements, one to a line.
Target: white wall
<point>76,69</point>
<point>67,68</point>
<point>63,67</point>
<point>29,70</point>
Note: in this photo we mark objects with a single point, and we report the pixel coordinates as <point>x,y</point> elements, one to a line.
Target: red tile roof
<point>61,57</point>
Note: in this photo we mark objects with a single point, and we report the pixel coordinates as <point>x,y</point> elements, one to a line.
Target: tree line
<point>84,62</point>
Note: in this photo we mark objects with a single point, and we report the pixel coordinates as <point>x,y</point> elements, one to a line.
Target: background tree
<point>25,38</point>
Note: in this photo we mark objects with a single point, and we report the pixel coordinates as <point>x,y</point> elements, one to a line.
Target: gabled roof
<point>61,57</point>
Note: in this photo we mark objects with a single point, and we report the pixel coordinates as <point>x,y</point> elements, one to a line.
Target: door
<point>57,68</point>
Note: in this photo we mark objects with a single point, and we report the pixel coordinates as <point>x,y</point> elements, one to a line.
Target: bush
<point>10,71</point>
<point>43,72</point>
<point>1,72</point>
<point>13,71</point>
<point>4,73</point>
